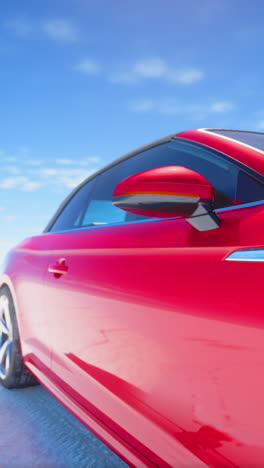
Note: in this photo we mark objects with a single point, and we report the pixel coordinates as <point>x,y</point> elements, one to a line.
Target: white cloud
<point>150,68</point>
<point>70,178</point>
<point>174,107</point>
<point>22,156</point>
<point>78,162</point>
<point>65,162</point>
<point>24,173</point>
<point>63,177</point>
<point>89,159</point>
<point>33,162</point>
<point>61,30</point>
<point>157,68</point>
<point>162,106</point>
<point>143,105</point>
<point>187,76</point>
<point>58,29</point>
<point>222,106</point>
<point>12,182</point>
<point>88,66</point>
<point>30,186</point>
<point>48,172</point>
<point>19,183</point>
<point>9,158</point>
<point>124,78</point>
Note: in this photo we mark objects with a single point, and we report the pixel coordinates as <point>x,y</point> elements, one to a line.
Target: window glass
<point>71,215</point>
<point>220,173</point>
<point>249,189</point>
<point>92,204</point>
<point>103,212</point>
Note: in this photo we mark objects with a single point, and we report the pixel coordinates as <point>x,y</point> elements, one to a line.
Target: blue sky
<point>83,82</point>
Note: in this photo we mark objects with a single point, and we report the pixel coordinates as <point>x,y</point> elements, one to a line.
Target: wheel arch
<point>5,281</point>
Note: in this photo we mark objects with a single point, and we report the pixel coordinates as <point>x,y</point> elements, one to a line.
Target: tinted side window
<point>221,173</point>
<point>93,203</point>
<point>249,189</point>
<point>73,212</point>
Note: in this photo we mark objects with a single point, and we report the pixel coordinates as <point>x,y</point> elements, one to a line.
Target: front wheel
<point>13,373</point>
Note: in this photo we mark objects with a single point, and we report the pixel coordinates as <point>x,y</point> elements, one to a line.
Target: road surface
<point>36,431</point>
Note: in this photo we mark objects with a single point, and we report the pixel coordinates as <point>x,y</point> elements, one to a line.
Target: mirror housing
<point>169,192</point>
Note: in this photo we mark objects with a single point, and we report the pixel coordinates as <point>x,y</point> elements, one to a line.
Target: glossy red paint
<point>149,336</point>
<point>175,180</point>
<point>247,155</point>
<point>171,184</point>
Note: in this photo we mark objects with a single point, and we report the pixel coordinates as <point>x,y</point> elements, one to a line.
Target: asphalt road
<point>36,431</point>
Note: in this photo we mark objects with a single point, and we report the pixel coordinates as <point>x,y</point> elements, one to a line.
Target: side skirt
<point>101,430</point>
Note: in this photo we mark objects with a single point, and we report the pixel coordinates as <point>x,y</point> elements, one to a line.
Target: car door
<point>153,331</point>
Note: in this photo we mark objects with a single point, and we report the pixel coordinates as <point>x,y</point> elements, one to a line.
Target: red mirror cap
<point>164,192</point>
<point>169,180</point>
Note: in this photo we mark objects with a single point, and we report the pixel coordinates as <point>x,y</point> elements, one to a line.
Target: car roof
<point>246,154</point>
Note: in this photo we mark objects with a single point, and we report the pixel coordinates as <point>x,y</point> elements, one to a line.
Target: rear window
<point>254,139</point>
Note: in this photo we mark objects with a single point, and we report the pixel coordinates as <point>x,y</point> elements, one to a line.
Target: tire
<point>13,373</point>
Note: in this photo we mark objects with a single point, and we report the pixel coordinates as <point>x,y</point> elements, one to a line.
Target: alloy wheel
<point>6,337</point>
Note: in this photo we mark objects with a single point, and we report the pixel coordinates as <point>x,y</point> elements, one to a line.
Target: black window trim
<point>132,153</point>
<point>172,137</point>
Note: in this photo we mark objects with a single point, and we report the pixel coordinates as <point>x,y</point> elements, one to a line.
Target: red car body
<point>152,338</point>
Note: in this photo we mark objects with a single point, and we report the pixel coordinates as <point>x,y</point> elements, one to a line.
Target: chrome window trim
<point>101,226</point>
<point>104,225</point>
<point>243,205</point>
<point>225,137</point>
<point>246,255</point>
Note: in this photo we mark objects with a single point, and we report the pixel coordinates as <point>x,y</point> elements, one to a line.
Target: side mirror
<point>169,192</point>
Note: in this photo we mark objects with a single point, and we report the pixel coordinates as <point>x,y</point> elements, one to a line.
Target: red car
<point>140,306</point>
